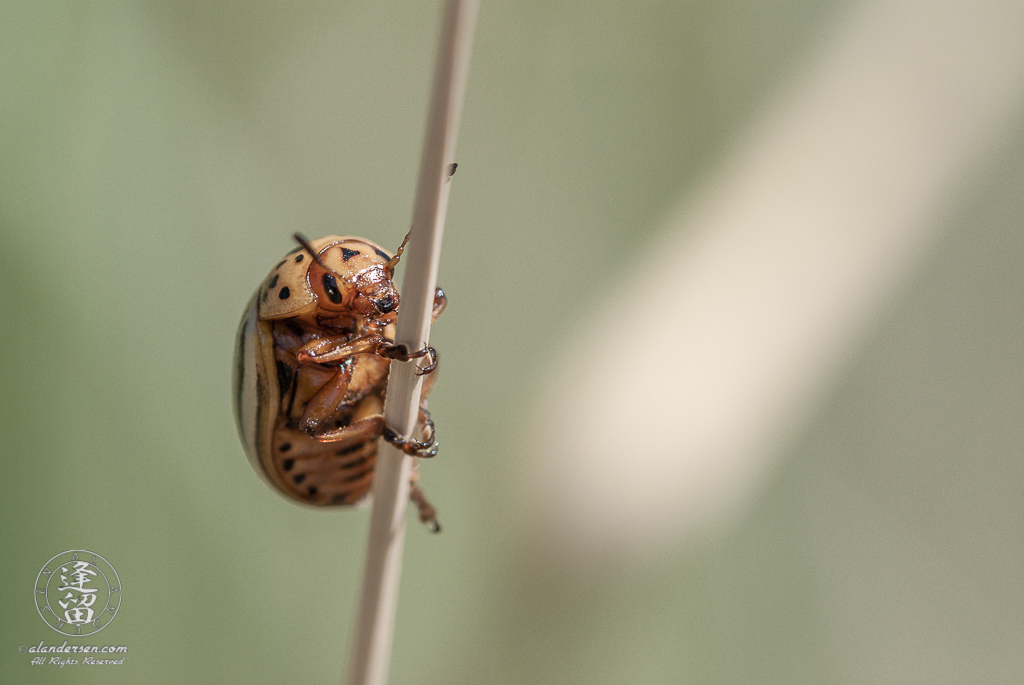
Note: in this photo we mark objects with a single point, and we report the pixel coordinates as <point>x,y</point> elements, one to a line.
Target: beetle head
<point>353,277</point>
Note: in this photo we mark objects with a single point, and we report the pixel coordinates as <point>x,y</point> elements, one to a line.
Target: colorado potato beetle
<point>311,366</point>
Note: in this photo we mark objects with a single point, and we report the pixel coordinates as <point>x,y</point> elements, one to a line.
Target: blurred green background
<point>155,157</point>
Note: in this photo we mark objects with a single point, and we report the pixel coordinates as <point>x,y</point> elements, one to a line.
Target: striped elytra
<point>311,364</point>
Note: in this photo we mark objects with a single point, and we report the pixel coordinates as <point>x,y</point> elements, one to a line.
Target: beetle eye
<point>331,288</point>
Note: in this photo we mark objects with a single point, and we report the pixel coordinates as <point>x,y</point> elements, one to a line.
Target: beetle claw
<point>429,368</point>
<point>399,352</point>
<point>414,448</point>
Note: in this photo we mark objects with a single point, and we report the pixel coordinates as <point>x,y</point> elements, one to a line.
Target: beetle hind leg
<point>427,512</point>
<point>367,423</point>
<point>363,429</point>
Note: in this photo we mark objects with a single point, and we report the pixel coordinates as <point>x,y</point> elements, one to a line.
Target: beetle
<point>311,364</point>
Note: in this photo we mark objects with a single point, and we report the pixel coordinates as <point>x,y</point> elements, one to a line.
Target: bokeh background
<point>847,509</point>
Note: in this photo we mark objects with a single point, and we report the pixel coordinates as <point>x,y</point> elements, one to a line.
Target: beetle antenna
<point>301,240</point>
<point>393,262</point>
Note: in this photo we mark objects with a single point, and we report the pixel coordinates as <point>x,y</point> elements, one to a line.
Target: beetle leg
<point>428,425</point>
<point>391,350</point>
<point>429,368</point>
<point>440,302</point>
<point>363,429</point>
<point>427,447</point>
<point>427,512</point>
<point>325,350</point>
<point>330,349</point>
<point>367,424</point>
<point>326,400</point>
<point>428,385</point>
<point>413,448</point>
<point>373,426</point>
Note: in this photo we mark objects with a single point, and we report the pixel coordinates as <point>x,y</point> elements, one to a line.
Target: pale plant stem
<point>371,644</point>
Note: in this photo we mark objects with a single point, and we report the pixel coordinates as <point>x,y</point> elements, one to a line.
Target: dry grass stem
<point>371,646</point>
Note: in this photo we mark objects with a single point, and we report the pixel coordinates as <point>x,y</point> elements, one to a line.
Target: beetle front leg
<point>324,350</point>
<point>391,350</point>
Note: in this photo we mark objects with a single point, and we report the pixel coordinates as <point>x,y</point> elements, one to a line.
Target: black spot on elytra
<point>347,254</point>
<point>298,258</point>
<point>339,498</point>
<point>382,254</point>
<point>294,250</point>
<point>280,264</point>
<point>285,447</point>
<point>285,293</point>
<point>273,281</point>
<point>298,478</point>
<point>349,450</point>
<point>264,298</point>
<point>312,491</point>
<point>288,464</point>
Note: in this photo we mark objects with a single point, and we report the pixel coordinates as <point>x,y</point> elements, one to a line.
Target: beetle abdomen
<point>319,473</point>
<point>309,470</point>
